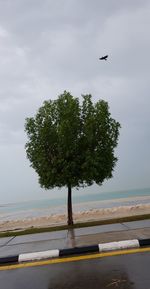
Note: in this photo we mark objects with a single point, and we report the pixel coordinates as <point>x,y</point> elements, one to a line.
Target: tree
<point>72,144</point>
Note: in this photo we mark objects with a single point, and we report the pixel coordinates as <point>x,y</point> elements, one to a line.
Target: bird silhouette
<point>103,57</point>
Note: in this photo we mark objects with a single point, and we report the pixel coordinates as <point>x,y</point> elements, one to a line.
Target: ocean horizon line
<point>147,189</point>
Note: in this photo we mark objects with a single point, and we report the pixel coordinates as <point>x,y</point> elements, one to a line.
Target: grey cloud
<point>47,47</point>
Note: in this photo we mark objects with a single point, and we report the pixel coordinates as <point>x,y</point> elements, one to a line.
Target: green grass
<point>77,225</point>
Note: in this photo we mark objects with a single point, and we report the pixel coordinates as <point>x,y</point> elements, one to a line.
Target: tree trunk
<point>70,219</point>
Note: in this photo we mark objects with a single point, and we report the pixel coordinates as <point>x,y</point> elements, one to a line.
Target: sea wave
<point>87,215</point>
<point>77,208</point>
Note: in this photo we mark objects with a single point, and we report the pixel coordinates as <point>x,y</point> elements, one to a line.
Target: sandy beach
<point>89,215</point>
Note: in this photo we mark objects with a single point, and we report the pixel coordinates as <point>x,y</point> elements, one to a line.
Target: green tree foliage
<point>72,144</point>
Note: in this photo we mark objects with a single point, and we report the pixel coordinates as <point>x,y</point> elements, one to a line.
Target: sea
<point>81,202</point>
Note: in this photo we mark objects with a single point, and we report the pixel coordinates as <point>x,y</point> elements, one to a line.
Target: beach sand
<point>89,215</point>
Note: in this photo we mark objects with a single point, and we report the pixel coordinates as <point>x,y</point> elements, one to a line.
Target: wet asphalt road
<point>122,272</point>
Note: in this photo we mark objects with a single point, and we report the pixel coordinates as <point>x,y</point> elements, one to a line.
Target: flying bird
<point>103,57</point>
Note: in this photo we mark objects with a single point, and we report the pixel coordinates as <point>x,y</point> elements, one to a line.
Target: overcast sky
<point>47,47</point>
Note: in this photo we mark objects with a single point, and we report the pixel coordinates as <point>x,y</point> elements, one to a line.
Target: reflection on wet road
<point>122,272</point>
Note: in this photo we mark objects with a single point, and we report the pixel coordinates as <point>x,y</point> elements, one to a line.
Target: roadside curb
<point>103,247</point>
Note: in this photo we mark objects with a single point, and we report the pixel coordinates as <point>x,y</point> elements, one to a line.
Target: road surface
<point>123,272</point>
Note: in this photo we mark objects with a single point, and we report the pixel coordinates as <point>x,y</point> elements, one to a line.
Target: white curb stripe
<point>38,255</point>
<point>118,245</point>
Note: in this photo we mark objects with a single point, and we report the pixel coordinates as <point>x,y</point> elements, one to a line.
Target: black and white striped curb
<point>104,247</point>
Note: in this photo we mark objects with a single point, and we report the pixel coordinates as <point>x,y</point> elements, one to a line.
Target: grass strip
<point>33,230</point>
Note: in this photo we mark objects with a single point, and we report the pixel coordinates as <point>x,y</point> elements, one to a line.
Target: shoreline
<point>89,215</point>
